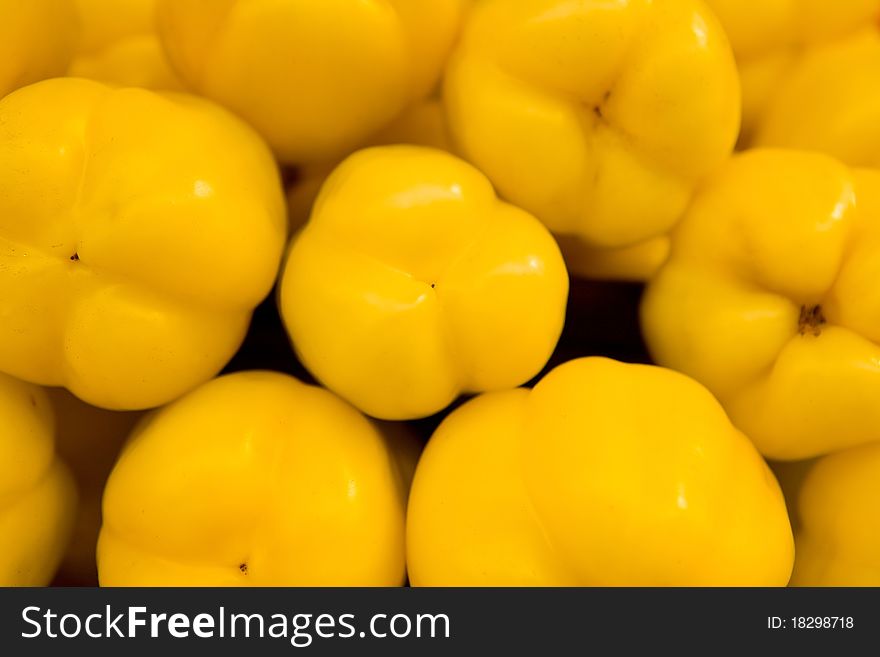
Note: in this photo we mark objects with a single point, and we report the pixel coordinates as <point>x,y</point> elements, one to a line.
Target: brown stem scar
<point>74,257</point>
<point>597,109</point>
<point>811,320</point>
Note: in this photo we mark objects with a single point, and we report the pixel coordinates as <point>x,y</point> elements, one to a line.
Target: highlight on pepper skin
<point>610,153</point>
<point>358,64</point>
<point>770,299</point>
<point>138,231</point>
<point>412,283</point>
<point>603,474</point>
<point>37,41</point>
<point>37,495</point>
<point>256,479</point>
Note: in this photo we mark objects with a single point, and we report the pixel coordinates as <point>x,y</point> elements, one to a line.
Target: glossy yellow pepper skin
<point>830,102</point>
<point>137,233</point>
<point>37,494</point>
<point>412,283</point>
<point>256,479</point>
<point>838,534</point>
<point>771,40</point>
<point>119,44</point>
<point>37,40</point>
<point>88,440</point>
<point>603,474</point>
<point>598,118</point>
<point>423,125</point>
<point>770,299</point>
<point>315,78</point>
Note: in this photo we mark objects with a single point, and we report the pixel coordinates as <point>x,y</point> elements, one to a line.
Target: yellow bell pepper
<point>599,118</point>
<point>301,195</point>
<point>37,494</point>
<point>771,299</point>
<point>137,233</point>
<point>830,102</point>
<point>423,125</point>
<point>88,440</point>
<point>790,475</point>
<point>634,263</point>
<point>838,535</point>
<point>119,44</point>
<point>315,78</point>
<point>603,474</point>
<point>771,39</point>
<point>37,40</point>
<point>255,479</point>
<point>413,283</point>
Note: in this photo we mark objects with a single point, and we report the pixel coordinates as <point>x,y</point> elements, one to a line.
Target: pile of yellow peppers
<point>409,190</point>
